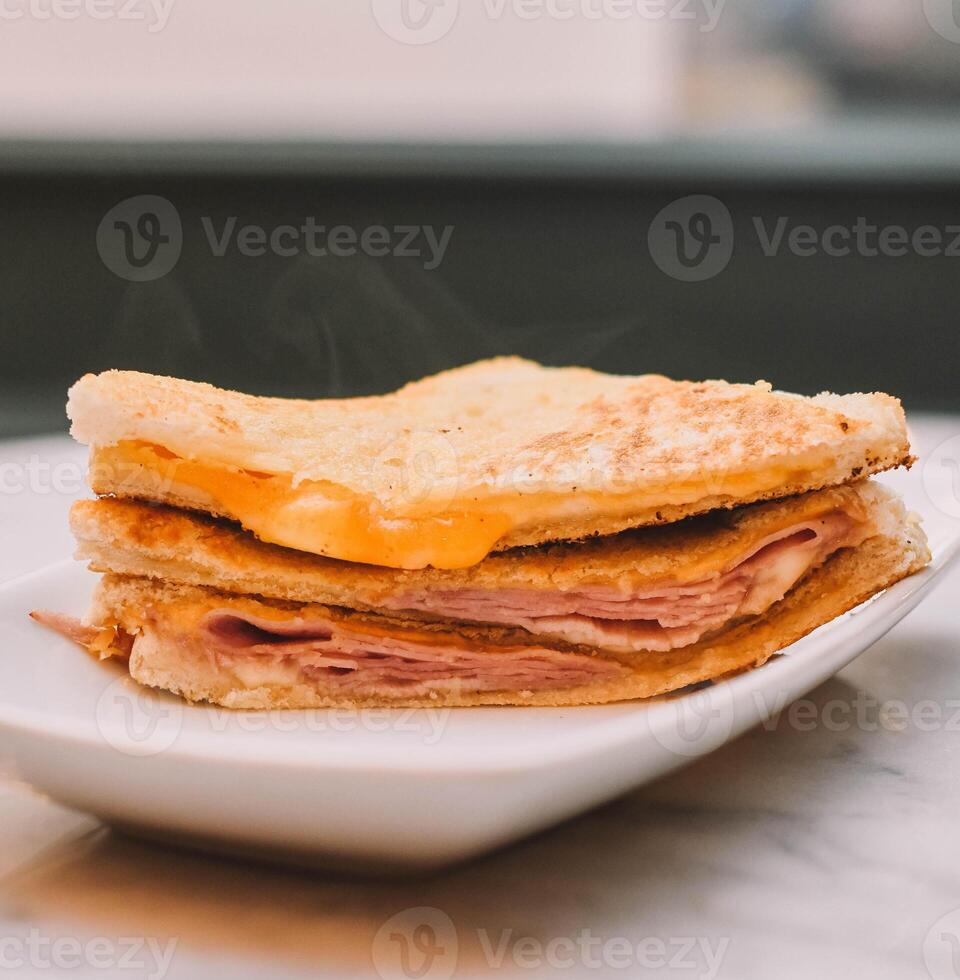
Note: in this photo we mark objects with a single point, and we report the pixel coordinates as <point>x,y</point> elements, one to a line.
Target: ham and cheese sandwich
<point>502,533</point>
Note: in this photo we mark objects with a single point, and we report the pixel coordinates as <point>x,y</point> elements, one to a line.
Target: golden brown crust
<point>511,428</point>
<point>847,579</point>
<point>133,538</point>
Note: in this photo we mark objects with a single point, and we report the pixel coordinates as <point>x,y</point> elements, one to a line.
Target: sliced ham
<point>658,617</point>
<point>339,657</point>
<point>68,626</point>
<point>336,658</point>
<point>102,640</point>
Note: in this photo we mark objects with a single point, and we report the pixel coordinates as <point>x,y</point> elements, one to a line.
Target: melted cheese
<point>327,519</point>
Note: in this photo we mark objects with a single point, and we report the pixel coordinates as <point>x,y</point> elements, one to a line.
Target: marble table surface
<point>825,844</point>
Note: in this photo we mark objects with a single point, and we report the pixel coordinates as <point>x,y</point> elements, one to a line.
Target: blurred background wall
<point>318,198</point>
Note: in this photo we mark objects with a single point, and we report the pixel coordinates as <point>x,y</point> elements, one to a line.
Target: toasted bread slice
<point>485,457</point>
<point>132,538</point>
<point>164,625</point>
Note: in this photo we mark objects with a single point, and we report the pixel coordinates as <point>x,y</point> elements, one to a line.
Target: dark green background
<point>553,266</point>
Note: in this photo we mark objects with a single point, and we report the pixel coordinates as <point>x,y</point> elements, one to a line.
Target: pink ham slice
<point>328,654</point>
<point>340,659</point>
<point>662,617</point>
<point>68,626</point>
<point>99,639</point>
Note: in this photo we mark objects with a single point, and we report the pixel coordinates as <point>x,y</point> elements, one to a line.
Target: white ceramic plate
<point>370,789</point>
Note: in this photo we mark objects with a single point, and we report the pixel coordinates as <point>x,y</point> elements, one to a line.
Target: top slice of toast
<point>571,452</point>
